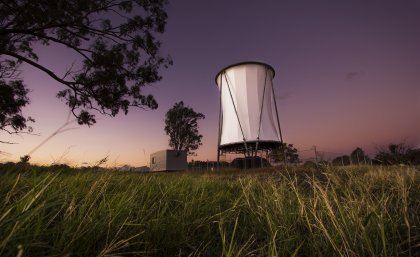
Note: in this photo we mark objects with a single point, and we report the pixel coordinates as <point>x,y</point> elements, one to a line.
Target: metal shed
<point>168,160</point>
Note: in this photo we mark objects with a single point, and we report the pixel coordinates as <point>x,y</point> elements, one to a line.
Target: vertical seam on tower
<point>262,105</point>
<point>278,124</point>
<point>220,115</point>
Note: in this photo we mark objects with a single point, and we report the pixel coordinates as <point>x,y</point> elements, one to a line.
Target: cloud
<point>354,74</point>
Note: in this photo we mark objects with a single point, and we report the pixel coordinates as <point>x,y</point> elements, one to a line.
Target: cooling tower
<point>248,115</point>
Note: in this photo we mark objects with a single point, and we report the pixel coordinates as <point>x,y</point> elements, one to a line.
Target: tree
<point>24,159</point>
<point>182,128</point>
<point>397,154</point>
<point>358,156</point>
<point>291,153</point>
<point>341,160</point>
<point>114,40</point>
<point>13,96</point>
<point>414,156</point>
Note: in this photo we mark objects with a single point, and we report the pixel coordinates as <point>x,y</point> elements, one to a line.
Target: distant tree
<point>358,156</point>
<point>397,154</point>
<point>182,128</point>
<point>60,167</point>
<point>24,159</point>
<point>341,160</point>
<point>13,96</point>
<point>414,156</point>
<point>291,153</point>
<point>114,41</point>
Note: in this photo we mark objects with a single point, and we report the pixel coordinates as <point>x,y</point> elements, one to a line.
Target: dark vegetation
<point>357,156</point>
<point>393,154</point>
<point>13,97</point>
<point>288,151</point>
<point>398,154</point>
<point>115,43</point>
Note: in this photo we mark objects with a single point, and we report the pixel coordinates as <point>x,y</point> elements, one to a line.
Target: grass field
<point>353,211</point>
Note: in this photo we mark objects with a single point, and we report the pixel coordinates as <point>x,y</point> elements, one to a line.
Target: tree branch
<point>73,33</point>
<point>28,31</point>
<point>78,50</point>
<point>40,67</point>
<point>7,142</point>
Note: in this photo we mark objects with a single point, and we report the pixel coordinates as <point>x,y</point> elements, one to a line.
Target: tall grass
<point>359,211</point>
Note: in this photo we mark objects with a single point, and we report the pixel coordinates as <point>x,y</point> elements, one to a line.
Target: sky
<point>347,76</point>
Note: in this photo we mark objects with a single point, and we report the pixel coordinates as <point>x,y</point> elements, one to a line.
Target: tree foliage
<point>341,160</point>
<point>290,151</point>
<point>182,128</point>
<point>358,156</point>
<point>13,96</point>
<point>397,154</point>
<point>115,41</point>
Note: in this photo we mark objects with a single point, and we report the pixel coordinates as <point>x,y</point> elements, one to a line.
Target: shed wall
<point>168,160</point>
<point>176,160</point>
<point>158,161</point>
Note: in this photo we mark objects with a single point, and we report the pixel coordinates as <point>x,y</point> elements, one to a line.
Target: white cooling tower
<point>248,118</point>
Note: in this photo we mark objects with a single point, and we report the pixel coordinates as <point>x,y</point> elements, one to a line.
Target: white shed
<point>168,160</point>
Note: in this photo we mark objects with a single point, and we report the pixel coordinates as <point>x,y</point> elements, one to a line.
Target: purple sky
<point>347,75</point>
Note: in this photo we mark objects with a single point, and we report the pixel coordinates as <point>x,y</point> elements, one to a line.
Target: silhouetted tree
<point>358,156</point>
<point>291,153</point>
<point>114,40</point>
<point>397,154</point>
<point>341,160</point>
<point>13,96</point>
<point>24,159</point>
<point>414,156</point>
<point>182,128</point>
